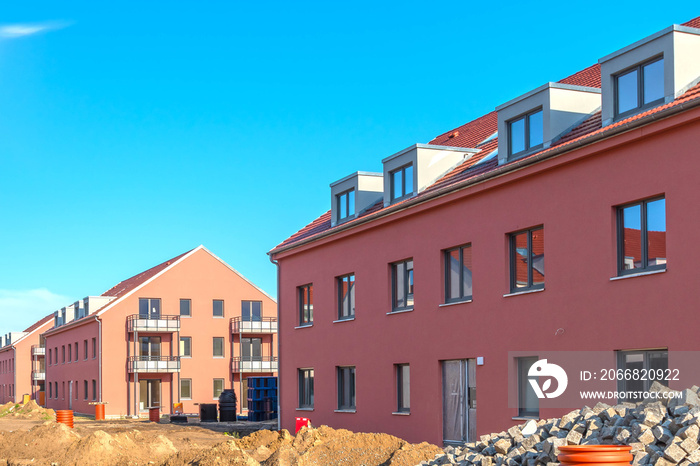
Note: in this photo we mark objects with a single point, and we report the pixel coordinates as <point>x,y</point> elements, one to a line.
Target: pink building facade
<point>22,363</point>
<point>418,303</point>
<point>178,333</point>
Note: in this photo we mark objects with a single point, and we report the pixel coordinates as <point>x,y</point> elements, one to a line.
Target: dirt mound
<point>127,447</point>
<point>226,453</point>
<point>41,442</point>
<point>29,410</point>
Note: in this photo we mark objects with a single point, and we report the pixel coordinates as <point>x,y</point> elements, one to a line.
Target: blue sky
<point>134,131</point>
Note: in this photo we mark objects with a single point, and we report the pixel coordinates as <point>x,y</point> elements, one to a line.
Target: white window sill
<point>343,320</point>
<point>455,303</point>
<point>305,409</point>
<point>185,317</point>
<point>304,326</point>
<point>399,312</point>
<point>344,411</point>
<point>518,293</point>
<point>185,357</point>
<point>401,414</point>
<point>525,418</point>
<point>218,317</point>
<point>640,274</point>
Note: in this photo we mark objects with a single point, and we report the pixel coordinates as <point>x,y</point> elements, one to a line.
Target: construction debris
<point>661,433</point>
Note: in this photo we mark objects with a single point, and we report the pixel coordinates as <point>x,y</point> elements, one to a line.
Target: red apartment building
<point>22,363</point>
<point>179,332</point>
<point>401,305</point>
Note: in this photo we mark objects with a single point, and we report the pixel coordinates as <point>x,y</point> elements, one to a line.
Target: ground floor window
<point>218,387</point>
<point>306,388</point>
<point>85,389</point>
<point>528,403</point>
<point>403,388</point>
<point>186,389</point>
<point>346,387</point>
<point>651,362</point>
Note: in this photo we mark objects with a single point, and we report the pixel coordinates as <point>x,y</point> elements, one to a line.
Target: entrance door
<point>149,396</point>
<point>458,410</point>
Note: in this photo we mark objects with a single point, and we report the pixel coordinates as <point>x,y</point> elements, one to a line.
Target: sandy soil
<point>29,435</point>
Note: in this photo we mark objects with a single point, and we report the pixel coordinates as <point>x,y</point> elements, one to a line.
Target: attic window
<point>639,87</point>
<point>401,182</point>
<point>525,132</point>
<point>346,204</point>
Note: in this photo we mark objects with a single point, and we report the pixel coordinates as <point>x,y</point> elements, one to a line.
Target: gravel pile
<point>661,433</point>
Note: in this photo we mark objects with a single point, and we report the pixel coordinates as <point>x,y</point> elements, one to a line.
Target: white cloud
<point>21,308</point>
<point>14,31</point>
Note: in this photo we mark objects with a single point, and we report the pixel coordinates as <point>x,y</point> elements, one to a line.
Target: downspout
<point>99,357</point>
<point>14,374</point>
<point>279,353</point>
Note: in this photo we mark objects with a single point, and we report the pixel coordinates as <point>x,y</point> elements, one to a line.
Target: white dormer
<point>410,171</point>
<point>93,303</point>
<point>535,120</point>
<point>650,72</point>
<point>353,194</point>
<point>68,313</point>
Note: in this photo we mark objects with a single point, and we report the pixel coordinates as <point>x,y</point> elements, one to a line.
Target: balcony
<point>36,375</point>
<point>137,323</point>
<point>38,350</point>
<point>256,364</point>
<point>153,364</point>
<point>265,325</point>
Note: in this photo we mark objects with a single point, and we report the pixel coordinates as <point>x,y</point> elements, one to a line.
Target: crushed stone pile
<point>30,410</point>
<point>661,433</point>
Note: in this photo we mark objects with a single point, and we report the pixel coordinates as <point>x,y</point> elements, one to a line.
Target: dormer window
<point>346,204</point>
<point>402,183</point>
<point>639,87</point>
<point>525,132</point>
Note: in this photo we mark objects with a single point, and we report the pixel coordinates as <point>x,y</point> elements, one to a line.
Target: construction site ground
<point>30,435</point>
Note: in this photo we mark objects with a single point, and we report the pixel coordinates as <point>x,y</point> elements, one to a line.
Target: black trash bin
<point>207,412</point>
<point>227,406</point>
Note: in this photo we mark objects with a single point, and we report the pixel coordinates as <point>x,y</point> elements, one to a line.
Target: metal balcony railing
<point>254,364</point>
<point>153,364</point>
<point>36,375</point>
<point>137,323</point>
<point>265,325</point>
<point>38,350</point>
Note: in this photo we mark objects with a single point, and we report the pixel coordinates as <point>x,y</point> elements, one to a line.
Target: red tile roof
<point>474,134</point>
<point>38,324</point>
<point>123,287</point>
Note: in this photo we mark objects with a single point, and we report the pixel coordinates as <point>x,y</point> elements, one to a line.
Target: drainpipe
<point>14,373</point>
<point>279,353</point>
<point>99,358</point>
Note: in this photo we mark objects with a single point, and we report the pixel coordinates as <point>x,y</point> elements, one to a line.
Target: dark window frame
<point>408,283</point>
<point>306,388</point>
<point>183,397</point>
<point>350,398</point>
<point>621,271</point>
<point>250,311</point>
<point>462,297</point>
<point>189,307</point>
<point>524,384</point>
<point>404,190</point>
<point>646,354</point>
<point>306,315</point>
<point>526,128</point>
<point>514,257</point>
<point>214,390</point>
<point>213,308</point>
<point>640,88</point>
<point>351,297</point>
<point>344,198</point>
<point>403,405</point>
<point>223,347</point>
<point>183,353</point>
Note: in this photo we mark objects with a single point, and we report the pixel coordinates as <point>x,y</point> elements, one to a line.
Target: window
<point>149,308</point>
<point>185,389</point>
<point>458,274</point>
<point>306,305</point>
<point>653,362</point>
<point>527,260</point>
<point>639,87</point>
<point>69,352</point>
<point>94,348</point>
<point>306,388</point>
<point>218,308</point>
<point>49,361</point>
<point>525,132</point>
<point>63,390</point>
<point>218,387</point>
<point>528,403</point>
<point>185,308</point>
<point>218,348</point>
<point>401,183</point>
<point>85,389</point>
<point>402,285</point>
<point>76,389</point>
<point>55,391</point>
<point>63,354</point>
<point>641,236</point>
<point>251,349</point>
<point>76,352</point>
<point>346,388</point>
<point>51,390</point>
<point>251,311</point>
<point>403,388</point>
<point>94,390</point>
<point>85,350</point>
<point>346,204</point>
<point>186,347</point>
<point>346,297</point>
